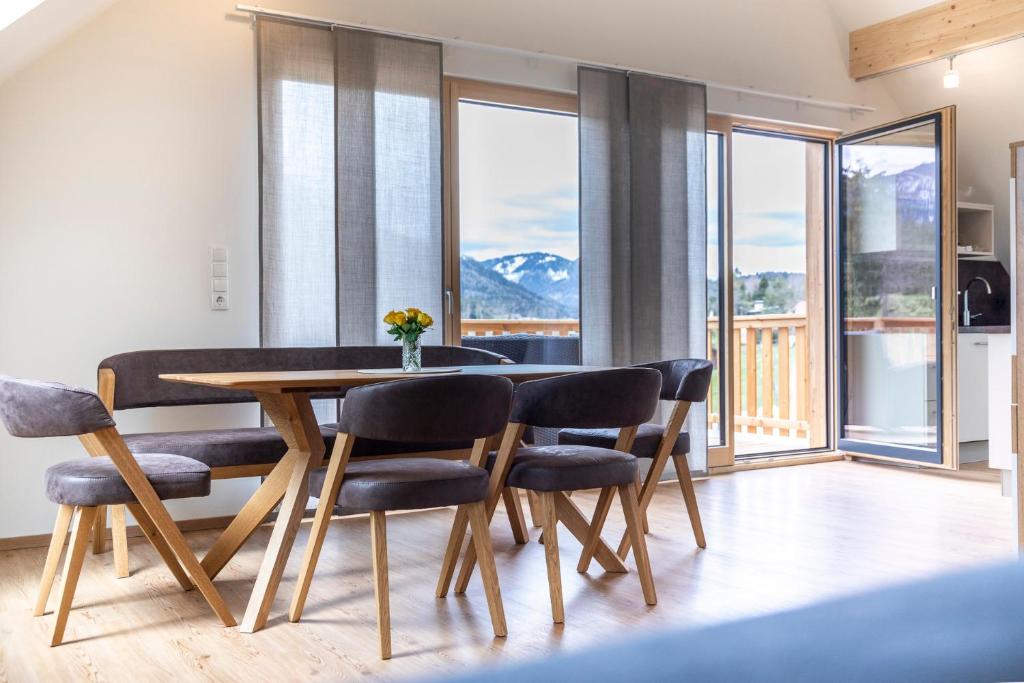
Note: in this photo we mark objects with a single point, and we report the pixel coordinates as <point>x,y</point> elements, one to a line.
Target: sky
<point>518,182</point>
<point>769,200</point>
<point>518,190</point>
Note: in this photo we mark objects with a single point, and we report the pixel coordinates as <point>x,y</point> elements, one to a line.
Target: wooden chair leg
<point>379,542</point>
<point>99,532</point>
<point>488,572</point>
<point>119,538</point>
<point>627,494</point>
<point>452,552</point>
<point>160,545</point>
<point>549,518</point>
<point>60,534</point>
<point>535,516</point>
<point>466,571</point>
<point>690,498</point>
<point>644,498</point>
<point>80,528</point>
<point>643,511</point>
<point>604,502</point>
<point>514,508</point>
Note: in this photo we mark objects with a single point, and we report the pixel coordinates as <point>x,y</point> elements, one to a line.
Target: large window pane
<point>779,204</point>
<point>890,227</point>
<point>519,223</point>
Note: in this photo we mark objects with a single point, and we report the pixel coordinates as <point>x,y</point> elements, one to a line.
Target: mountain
<point>488,294</point>
<point>550,276</point>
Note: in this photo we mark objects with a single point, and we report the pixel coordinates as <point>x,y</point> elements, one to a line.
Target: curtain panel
<point>350,182</point>
<point>643,224</point>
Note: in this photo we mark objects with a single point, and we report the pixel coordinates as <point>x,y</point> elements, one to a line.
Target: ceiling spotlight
<point>951,79</point>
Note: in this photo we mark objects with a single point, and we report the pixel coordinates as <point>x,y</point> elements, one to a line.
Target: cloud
<point>770,228</point>
<point>518,187</point>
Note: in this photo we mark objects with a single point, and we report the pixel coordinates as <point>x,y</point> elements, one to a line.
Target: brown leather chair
<point>430,410</point>
<point>623,399</point>
<point>80,487</point>
<point>684,381</point>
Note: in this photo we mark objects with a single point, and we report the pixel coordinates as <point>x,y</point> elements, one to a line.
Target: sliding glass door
<point>897,292</point>
<point>768,289</point>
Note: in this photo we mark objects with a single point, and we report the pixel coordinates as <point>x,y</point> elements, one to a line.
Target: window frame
<point>722,458</point>
<point>454,90</point>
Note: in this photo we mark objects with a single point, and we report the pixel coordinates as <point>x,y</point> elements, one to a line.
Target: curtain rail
<point>256,11</point>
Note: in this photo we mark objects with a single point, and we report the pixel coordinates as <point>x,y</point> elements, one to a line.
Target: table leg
<point>251,516</point>
<point>293,416</point>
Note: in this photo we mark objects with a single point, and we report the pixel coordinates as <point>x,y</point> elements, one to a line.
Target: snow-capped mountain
<point>548,275</point>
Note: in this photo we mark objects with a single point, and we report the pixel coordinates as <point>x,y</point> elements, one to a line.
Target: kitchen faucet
<point>967,309</point>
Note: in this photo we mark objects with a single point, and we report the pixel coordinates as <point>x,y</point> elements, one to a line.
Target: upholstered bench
<point>131,380</point>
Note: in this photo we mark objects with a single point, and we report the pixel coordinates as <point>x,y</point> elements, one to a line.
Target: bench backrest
<point>137,382</point>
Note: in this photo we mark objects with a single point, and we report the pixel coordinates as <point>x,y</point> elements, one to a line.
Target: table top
<point>326,380</point>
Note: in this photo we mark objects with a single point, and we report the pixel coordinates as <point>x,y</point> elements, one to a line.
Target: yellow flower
<point>395,318</point>
<point>425,320</point>
<point>413,313</point>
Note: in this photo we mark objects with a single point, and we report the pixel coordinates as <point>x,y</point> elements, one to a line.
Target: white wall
<point>129,148</point>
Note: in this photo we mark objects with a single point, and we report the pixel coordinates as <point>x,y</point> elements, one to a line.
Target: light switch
<point>219,278</point>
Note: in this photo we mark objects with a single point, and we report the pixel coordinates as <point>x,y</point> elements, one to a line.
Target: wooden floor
<point>777,538</point>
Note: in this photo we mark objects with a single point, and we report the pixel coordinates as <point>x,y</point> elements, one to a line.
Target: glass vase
<point>412,355</point>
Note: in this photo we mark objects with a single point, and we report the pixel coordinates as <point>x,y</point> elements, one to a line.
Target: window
<point>516,184</point>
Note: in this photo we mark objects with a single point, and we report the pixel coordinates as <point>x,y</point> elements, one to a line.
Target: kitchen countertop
<point>985,329</point>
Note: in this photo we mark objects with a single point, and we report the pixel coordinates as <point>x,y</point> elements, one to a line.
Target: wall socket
<point>219,300</point>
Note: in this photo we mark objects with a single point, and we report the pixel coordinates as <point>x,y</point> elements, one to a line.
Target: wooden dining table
<point>286,399</point>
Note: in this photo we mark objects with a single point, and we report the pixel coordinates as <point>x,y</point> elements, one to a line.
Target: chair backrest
<point>137,383</point>
<point>684,379</point>
<point>428,409</point>
<point>38,409</point>
<point>621,397</point>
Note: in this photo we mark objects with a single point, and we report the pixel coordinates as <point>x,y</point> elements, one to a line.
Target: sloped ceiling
<point>48,24</point>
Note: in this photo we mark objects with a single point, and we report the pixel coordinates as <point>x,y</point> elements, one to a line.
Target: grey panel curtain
<point>350,180</point>
<point>643,224</point>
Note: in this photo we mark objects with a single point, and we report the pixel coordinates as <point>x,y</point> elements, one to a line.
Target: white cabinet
<point>972,387</point>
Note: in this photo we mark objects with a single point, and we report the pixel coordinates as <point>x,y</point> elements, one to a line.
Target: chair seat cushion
<point>95,481</point>
<point>569,468</point>
<point>221,447</point>
<point>406,484</point>
<point>648,436</point>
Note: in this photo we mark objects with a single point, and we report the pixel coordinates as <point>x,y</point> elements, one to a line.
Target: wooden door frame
<point>453,90</point>
<point>723,458</point>
<point>1017,368</point>
<point>948,314</point>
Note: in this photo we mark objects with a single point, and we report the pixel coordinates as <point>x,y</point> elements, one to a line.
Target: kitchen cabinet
<point>972,387</point>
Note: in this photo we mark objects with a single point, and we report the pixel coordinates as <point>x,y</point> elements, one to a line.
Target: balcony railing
<point>550,328</point>
<point>770,379</point>
<point>770,388</point>
<point>771,383</point>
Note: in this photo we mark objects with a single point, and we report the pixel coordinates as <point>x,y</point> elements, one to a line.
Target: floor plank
<point>777,538</point>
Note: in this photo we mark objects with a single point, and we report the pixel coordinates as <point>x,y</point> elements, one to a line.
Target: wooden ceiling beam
<point>932,33</point>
